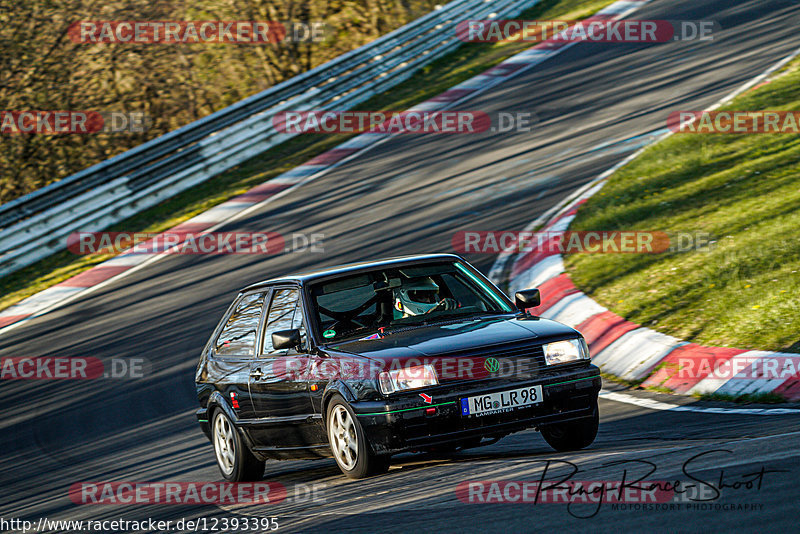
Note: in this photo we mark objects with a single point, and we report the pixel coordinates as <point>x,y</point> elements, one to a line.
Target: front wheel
<point>572,435</point>
<point>349,444</point>
<point>234,459</point>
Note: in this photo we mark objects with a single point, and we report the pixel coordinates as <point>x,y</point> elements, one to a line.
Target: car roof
<point>330,272</point>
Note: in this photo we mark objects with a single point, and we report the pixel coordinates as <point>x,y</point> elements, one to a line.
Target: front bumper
<point>404,423</point>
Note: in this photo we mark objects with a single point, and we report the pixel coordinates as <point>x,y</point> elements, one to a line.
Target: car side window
<point>238,337</point>
<point>284,314</point>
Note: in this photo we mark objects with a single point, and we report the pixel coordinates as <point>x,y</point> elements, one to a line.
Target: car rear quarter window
<point>238,336</point>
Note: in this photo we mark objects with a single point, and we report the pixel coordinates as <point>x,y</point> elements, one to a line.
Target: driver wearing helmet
<point>421,296</point>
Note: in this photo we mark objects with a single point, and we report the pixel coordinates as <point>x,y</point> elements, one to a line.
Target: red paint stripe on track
<point>260,192</point>
<point>451,95</point>
<point>553,291</point>
<point>532,258</point>
<point>504,69</point>
<point>790,389</point>
<point>332,156</point>
<point>94,276</point>
<point>11,319</point>
<point>193,227</point>
<point>603,329</point>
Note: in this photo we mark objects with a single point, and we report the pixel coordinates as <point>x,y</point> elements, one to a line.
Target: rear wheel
<point>234,459</point>
<point>572,435</point>
<point>349,444</point>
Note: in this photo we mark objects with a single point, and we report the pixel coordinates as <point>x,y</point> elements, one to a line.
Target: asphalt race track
<point>595,104</point>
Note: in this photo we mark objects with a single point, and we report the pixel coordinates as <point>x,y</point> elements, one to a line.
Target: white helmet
<point>417,297</point>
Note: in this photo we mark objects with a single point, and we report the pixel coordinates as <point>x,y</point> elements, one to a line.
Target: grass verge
<point>743,190</point>
<point>467,61</point>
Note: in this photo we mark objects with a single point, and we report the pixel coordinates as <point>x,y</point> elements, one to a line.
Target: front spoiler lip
<point>408,403</point>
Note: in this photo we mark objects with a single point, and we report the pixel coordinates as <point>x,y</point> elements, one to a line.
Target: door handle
<point>256,373</point>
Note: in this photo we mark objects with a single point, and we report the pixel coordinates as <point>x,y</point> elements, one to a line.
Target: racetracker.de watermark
<point>389,122</point>
<point>303,367</point>
<point>735,368</point>
<point>734,122</point>
<point>580,242</point>
<point>594,31</point>
<point>193,32</point>
<point>72,368</point>
<point>178,493</point>
<point>40,122</point>
<point>571,491</point>
<point>202,492</point>
<point>177,242</point>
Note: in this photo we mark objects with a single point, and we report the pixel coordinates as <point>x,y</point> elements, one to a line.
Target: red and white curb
<point>237,207</point>
<point>631,351</point>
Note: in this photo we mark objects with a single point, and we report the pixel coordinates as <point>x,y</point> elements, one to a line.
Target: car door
<point>234,350</point>
<point>279,380</point>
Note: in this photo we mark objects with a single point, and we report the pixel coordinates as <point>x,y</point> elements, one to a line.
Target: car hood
<point>449,337</point>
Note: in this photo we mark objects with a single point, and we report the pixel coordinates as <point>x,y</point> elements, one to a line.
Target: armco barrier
<point>36,225</point>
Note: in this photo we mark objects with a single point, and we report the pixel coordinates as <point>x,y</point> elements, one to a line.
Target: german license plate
<point>502,401</point>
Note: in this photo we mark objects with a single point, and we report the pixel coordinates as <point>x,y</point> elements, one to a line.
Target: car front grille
<point>510,362</point>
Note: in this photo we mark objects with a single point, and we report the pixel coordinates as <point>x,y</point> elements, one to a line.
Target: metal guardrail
<point>37,224</point>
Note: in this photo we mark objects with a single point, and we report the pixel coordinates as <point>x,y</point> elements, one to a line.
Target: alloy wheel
<point>343,437</point>
<point>224,444</point>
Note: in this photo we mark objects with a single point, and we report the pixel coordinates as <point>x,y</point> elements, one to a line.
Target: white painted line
<point>126,259</point>
<point>522,59</point>
<point>473,83</point>
<point>561,224</point>
<point>216,214</point>
<point>361,141</point>
<point>664,406</point>
<point>428,105</point>
<point>297,174</point>
<point>619,7</point>
<point>537,53</point>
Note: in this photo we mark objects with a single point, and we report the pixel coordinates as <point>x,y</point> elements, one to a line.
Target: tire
<point>234,459</point>
<point>349,445</point>
<point>572,435</point>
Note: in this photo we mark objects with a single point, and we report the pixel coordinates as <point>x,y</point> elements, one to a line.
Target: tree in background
<point>41,68</point>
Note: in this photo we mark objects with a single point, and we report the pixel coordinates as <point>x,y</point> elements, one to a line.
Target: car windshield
<point>375,303</point>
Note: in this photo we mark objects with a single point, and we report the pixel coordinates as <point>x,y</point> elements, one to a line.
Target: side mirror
<point>286,339</point>
<point>528,298</point>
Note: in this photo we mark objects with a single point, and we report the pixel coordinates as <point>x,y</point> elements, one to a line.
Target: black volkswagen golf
<point>364,361</point>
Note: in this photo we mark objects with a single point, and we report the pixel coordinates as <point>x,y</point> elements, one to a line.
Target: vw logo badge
<point>492,365</point>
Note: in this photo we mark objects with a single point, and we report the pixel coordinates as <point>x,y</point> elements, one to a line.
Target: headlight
<point>570,350</point>
<point>418,376</point>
